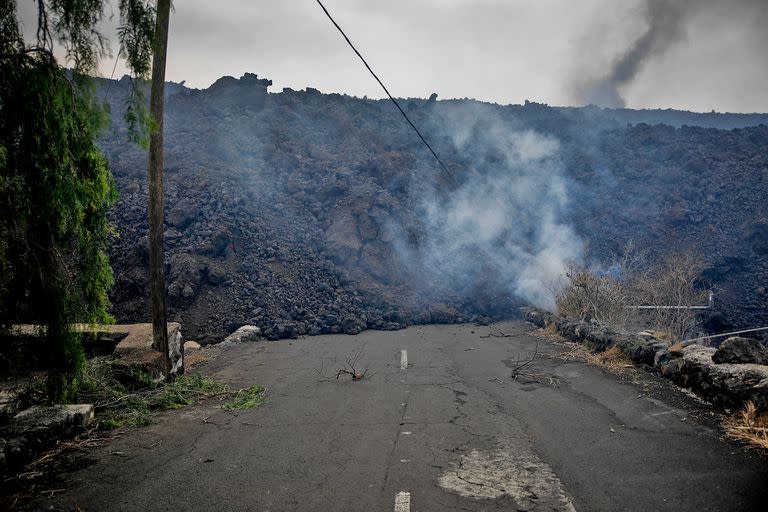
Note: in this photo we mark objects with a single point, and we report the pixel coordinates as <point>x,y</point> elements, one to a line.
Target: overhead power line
<point>442,165</point>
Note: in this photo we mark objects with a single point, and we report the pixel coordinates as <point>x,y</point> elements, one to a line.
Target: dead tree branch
<point>519,366</point>
<point>351,366</point>
<point>522,370</point>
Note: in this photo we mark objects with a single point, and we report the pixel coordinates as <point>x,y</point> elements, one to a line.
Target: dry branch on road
<point>523,370</point>
<point>350,368</point>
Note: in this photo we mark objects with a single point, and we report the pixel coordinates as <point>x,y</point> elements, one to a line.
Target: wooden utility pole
<point>155,179</point>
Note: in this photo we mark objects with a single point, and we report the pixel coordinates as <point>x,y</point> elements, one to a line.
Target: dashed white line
<point>403,502</point>
<point>403,499</point>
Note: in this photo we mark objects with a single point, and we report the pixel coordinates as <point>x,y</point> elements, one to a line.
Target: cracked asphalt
<point>452,431</point>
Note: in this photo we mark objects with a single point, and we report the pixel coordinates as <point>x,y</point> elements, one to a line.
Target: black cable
<point>109,83</point>
<point>445,169</point>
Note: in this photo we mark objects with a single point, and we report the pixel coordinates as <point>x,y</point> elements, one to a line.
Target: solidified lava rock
<point>741,351</point>
<point>303,213</point>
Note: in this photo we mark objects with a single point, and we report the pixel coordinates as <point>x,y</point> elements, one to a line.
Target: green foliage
<point>74,24</point>
<point>187,390</point>
<point>137,116</point>
<point>136,33</point>
<point>131,399</point>
<point>55,185</point>
<point>249,398</point>
<point>54,196</point>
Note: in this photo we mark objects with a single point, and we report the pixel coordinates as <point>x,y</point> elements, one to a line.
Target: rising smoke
<point>666,23</point>
<point>502,229</point>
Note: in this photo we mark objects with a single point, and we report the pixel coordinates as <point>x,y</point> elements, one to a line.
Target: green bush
<point>131,400</point>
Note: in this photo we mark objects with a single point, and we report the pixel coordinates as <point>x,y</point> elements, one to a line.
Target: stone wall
<point>726,385</point>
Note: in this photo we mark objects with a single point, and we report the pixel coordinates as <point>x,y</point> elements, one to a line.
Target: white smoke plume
<point>505,220</point>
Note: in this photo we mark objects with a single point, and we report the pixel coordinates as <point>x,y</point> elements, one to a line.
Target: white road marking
<point>403,502</point>
<point>403,359</point>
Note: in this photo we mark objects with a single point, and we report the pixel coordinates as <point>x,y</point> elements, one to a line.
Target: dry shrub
<point>749,426</point>
<point>611,298</point>
<point>588,296</point>
<point>674,281</point>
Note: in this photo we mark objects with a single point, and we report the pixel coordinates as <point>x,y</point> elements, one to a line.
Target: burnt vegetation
<point>302,212</point>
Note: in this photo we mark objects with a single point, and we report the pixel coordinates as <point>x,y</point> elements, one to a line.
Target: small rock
<point>171,234</point>
<point>243,334</point>
<point>53,417</point>
<point>191,346</point>
<point>740,351</point>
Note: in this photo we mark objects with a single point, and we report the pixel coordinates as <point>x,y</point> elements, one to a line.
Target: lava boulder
<point>741,351</point>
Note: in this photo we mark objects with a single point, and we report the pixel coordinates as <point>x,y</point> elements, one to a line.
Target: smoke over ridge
<point>667,23</point>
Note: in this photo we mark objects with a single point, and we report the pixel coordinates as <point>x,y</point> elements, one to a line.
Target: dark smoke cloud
<point>667,22</point>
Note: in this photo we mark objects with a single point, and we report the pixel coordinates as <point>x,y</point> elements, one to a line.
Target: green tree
<point>55,184</point>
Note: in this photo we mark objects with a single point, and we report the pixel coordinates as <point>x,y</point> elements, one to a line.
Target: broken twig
<point>499,334</point>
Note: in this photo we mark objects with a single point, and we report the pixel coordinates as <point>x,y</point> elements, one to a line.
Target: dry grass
<point>550,333</point>
<point>677,348</point>
<point>569,350</point>
<point>613,359</point>
<point>749,427</point>
<point>197,358</point>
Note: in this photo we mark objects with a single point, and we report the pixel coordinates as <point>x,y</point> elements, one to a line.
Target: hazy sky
<point>504,51</point>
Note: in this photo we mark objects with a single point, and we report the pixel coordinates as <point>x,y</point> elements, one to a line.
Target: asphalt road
<point>450,431</point>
